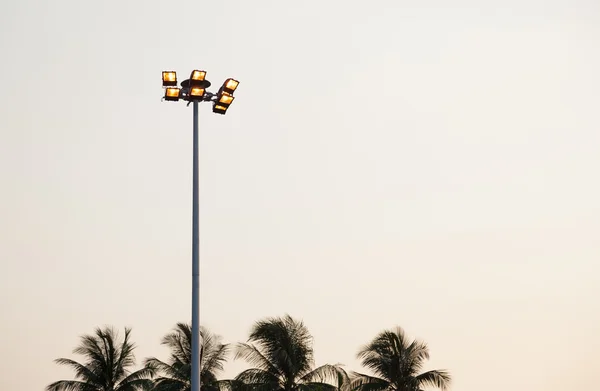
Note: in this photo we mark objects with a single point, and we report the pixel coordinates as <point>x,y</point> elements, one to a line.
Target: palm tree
<point>396,364</point>
<point>281,351</point>
<point>106,367</point>
<point>176,374</point>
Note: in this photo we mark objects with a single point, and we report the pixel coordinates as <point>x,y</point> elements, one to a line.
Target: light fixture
<point>197,78</point>
<point>196,93</point>
<point>218,109</point>
<point>196,90</point>
<point>169,78</point>
<point>225,100</point>
<point>230,86</point>
<point>172,94</point>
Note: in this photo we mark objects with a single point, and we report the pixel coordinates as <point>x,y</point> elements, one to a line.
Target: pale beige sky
<point>385,163</point>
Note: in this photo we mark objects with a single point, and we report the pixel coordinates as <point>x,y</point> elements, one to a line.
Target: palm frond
<point>124,356</point>
<point>378,359</point>
<point>71,385</point>
<point>218,385</point>
<point>214,353</point>
<point>436,378</point>
<point>240,386</point>
<point>230,385</point>
<point>166,384</point>
<point>253,356</point>
<point>179,342</point>
<point>176,370</point>
<point>256,377</point>
<point>362,382</point>
<point>91,350</point>
<point>141,374</point>
<point>415,356</point>
<point>81,371</point>
<point>136,385</point>
<point>105,340</point>
<point>327,374</point>
<point>316,386</point>
<point>418,351</point>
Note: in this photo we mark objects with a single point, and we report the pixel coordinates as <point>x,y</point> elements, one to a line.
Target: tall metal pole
<point>195,264</point>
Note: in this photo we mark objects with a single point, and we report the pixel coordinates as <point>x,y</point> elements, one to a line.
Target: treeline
<point>279,352</point>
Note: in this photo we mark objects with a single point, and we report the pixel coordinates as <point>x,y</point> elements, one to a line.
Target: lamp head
<point>169,79</point>
<point>172,94</point>
<point>230,86</point>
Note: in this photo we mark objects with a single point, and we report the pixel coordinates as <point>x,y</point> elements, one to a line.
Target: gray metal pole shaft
<point>195,386</point>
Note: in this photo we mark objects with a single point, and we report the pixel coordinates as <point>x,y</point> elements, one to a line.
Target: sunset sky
<point>427,164</point>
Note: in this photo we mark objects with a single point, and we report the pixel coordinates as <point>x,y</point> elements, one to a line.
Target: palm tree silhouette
<point>396,364</point>
<point>281,351</point>
<point>106,367</point>
<point>175,375</point>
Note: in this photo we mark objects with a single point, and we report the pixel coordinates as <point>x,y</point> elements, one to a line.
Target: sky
<point>425,164</point>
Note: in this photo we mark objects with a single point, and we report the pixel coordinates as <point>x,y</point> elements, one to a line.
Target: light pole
<point>193,90</point>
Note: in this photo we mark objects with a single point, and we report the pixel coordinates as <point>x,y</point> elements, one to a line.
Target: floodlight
<point>197,78</point>
<point>172,94</point>
<point>196,93</point>
<point>230,86</point>
<point>218,109</point>
<point>169,78</point>
<point>225,100</point>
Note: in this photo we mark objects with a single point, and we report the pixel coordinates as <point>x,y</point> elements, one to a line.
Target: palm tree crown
<point>106,367</point>
<point>176,374</point>
<point>396,364</point>
<point>281,351</point>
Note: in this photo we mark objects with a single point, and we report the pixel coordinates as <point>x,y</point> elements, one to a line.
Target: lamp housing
<point>172,94</point>
<point>224,100</point>
<point>197,78</point>
<point>169,78</point>
<point>230,86</point>
<point>219,109</point>
<point>196,93</point>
